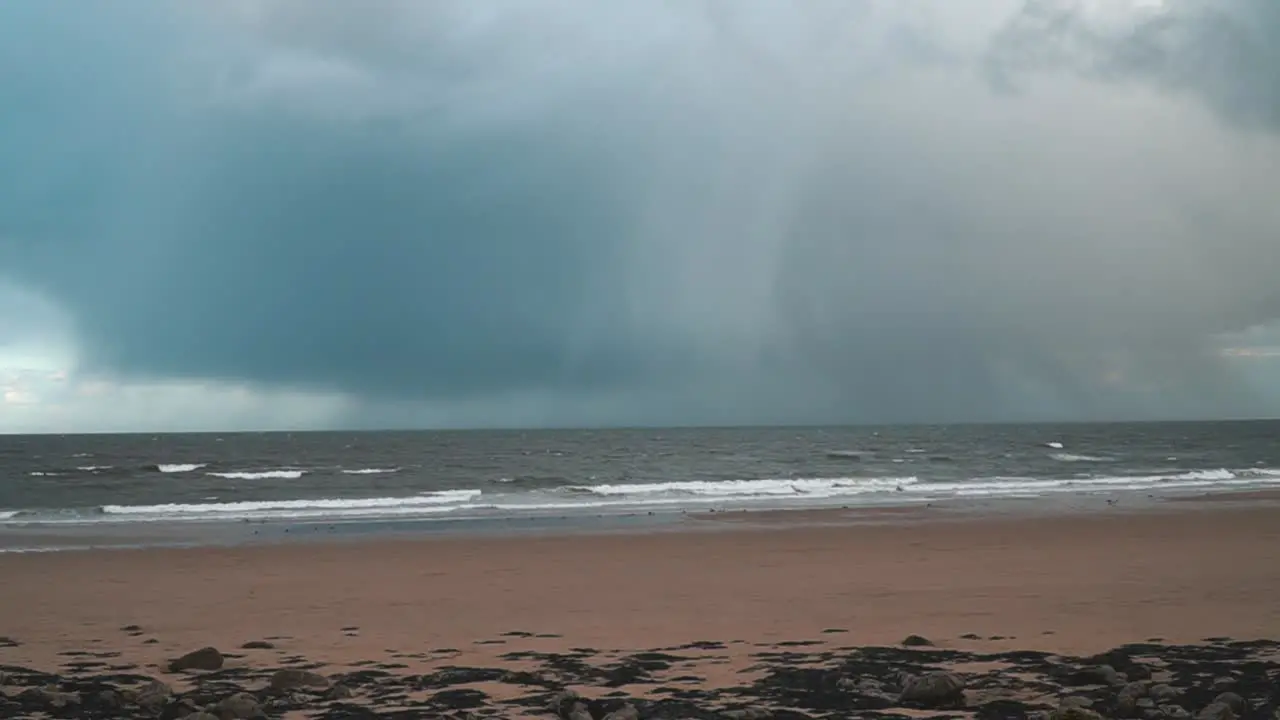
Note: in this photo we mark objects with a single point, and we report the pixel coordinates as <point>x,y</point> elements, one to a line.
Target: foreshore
<point>1072,584</point>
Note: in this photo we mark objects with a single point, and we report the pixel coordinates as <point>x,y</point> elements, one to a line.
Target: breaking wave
<point>514,499</point>
<point>260,475</point>
<point>371,471</point>
<point>1073,457</point>
<point>176,467</point>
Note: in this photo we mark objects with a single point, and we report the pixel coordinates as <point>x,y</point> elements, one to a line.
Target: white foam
<point>261,475</point>
<point>9,514</point>
<point>1072,457</point>
<point>93,468</point>
<point>179,467</point>
<point>323,507</point>
<point>1055,445</point>
<point>729,489</point>
<point>371,471</point>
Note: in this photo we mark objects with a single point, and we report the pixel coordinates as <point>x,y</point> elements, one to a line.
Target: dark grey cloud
<point>641,212</point>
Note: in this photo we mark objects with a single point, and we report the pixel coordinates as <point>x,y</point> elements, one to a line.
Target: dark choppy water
<point>300,476</point>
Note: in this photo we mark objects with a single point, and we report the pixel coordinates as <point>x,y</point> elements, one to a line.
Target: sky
<point>297,214</point>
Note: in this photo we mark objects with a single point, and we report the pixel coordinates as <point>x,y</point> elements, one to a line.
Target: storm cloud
<point>568,212</point>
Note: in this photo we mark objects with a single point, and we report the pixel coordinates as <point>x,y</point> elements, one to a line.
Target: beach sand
<point>1073,584</point>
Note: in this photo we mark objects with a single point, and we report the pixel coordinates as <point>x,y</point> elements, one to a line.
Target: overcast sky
<point>326,213</point>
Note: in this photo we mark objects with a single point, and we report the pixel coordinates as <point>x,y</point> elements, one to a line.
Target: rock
<point>1164,694</point>
<point>201,715</point>
<point>106,699</point>
<point>294,679</point>
<point>1074,713</point>
<point>48,699</point>
<point>241,706</point>
<point>626,712</point>
<point>916,641</point>
<point>257,645</point>
<point>180,708</point>
<point>339,692</point>
<point>206,658</point>
<point>934,690</point>
<point>1128,698</point>
<point>562,702</point>
<point>748,714</point>
<point>1099,675</point>
<point>1222,684</point>
<point>153,697</point>
<point>1074,701</point>
<point>1174,712</point>
<point>578,712</point>
<point>1137,671</point>
<point>1233,701</point>
<point>1217,711</point>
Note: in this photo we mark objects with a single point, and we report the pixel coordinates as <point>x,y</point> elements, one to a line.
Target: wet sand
<point>1073,583</point>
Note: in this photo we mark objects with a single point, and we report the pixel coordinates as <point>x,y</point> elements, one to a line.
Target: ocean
<point>61,482</point>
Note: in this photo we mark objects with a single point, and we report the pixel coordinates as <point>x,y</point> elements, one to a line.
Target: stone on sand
<point>206,658</point>
<point>294,679</point>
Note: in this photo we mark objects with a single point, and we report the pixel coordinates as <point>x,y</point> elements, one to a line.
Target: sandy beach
<point>1070,583</point>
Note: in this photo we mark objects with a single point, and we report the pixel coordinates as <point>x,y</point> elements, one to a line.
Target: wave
<point>516,500</point>
<point>371,471</point>
<point>729,489</point>
<point>1072,457</point>
<point>175,467</point>
<point>260,475</point>
<point>324,507</point>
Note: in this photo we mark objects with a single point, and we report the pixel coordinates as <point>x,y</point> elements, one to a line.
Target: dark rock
<point>460,699</point>
<point>1126,705</point>
<point>626,712</point>
<point>934,690</point>
<point>295,679</point>
<point>1074,713</point>
<point>748,714</point>
<point>1217,711</point>
<point>1174,712</point>
<point>103,701</point>
<point>916,641</point>
<point>241,706</point>
<point>1094,675</point>
<point>180,708</point>
<point>257,645</point>
<point>206,658</point>
<point>49,700</point>
<point>1223,684</point>
<point>1233,701</point>
<point>1164,694</point>
<point>562,703</point>
<point>338,692</point>
<point>154,696</point>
